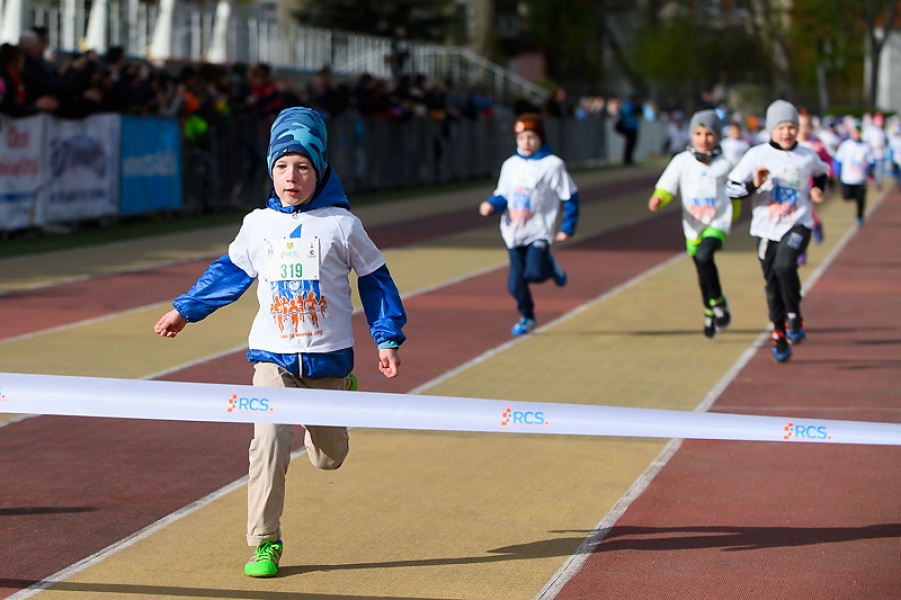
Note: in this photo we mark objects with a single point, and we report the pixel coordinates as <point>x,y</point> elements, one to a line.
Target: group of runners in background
<point>778,173</point>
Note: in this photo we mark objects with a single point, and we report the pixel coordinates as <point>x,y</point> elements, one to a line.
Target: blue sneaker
<point>523,326</point>
<point>818,233</point>
<point>559,273</point>
<point>781,350</point>
<point>859,221</point>
<point>794,330</point>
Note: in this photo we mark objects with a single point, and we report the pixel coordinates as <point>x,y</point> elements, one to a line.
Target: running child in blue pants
<point>532,185</point>
<point>301,246</point>
<point>699,175</point>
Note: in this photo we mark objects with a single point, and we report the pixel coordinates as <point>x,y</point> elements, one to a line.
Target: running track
<point>718,520</point>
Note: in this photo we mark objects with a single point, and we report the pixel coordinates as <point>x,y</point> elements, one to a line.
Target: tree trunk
<point>888,10</point>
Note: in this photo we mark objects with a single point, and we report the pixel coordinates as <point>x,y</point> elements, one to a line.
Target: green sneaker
<point>350,383</point>
<point>264,562</point>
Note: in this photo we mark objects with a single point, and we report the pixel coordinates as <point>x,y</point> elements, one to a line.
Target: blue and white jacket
<point>302,257</point>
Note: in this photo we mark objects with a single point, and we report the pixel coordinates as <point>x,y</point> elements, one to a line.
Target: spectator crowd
<point>76,86</point>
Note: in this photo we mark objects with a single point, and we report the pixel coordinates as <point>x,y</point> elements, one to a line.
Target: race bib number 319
<point>295,258</point>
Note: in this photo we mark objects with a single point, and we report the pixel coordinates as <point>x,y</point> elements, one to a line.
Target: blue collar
<point>542,152</point>
<point>329,192</point>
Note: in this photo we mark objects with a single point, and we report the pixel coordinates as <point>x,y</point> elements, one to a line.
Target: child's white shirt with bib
<point>702,188</point>
<point>783,201</point>
<point>302,261</point>
<point>533,189</point>
<point>855,158</point>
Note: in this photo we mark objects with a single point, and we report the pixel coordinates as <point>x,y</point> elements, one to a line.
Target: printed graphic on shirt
<point>702,206</point>
<point>298,306</point>
<point>520,208</point>
<point>703,209</point>
<point>856,170</point>
<point>784,197</point>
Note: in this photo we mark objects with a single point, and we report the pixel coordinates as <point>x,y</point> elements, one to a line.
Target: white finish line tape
<point>175,401</point>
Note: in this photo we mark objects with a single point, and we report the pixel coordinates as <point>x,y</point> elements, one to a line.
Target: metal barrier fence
<point>128,165</point>
<point>227,169</point>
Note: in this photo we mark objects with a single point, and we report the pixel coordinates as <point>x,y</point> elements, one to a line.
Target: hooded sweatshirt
<point>302,257</point>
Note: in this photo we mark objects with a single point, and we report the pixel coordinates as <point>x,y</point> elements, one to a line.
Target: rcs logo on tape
<point>522,418</point>
<point>255,405</point>
<point>806,432</point>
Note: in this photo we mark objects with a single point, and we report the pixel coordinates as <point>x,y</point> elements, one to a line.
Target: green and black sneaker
<point>709,325</point>
<point>721,315</point>
<point>350,383</point>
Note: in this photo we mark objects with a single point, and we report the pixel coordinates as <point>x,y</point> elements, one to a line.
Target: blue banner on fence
<point>150,151</point>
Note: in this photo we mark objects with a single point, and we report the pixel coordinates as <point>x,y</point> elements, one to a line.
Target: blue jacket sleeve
<point>836,168</point>
<point>499,203</point>
<point>222,283</point>
<point>383,307</point>
<point>570,215</point>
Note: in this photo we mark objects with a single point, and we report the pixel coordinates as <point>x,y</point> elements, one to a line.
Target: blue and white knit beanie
<point>300,130</point>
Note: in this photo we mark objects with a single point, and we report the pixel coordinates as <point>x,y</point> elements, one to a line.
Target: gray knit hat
<point>709,119</point>
<point>781,111</point>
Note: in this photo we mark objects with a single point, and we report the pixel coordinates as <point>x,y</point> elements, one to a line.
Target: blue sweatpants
<point>528,264</point>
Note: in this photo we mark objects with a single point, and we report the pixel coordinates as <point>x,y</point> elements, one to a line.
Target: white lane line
<point>82,323</point>
<point>131,540</point>
<point>149,265</point>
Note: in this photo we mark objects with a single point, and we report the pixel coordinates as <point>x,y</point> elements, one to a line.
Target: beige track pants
<point>270,455</point>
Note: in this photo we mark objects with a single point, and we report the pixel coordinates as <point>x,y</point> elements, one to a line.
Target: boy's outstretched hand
<point>485,208</point>
<point>761,174</point>
<point>389,361</point>
<point>654,203</point>
<point>170,324</point>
